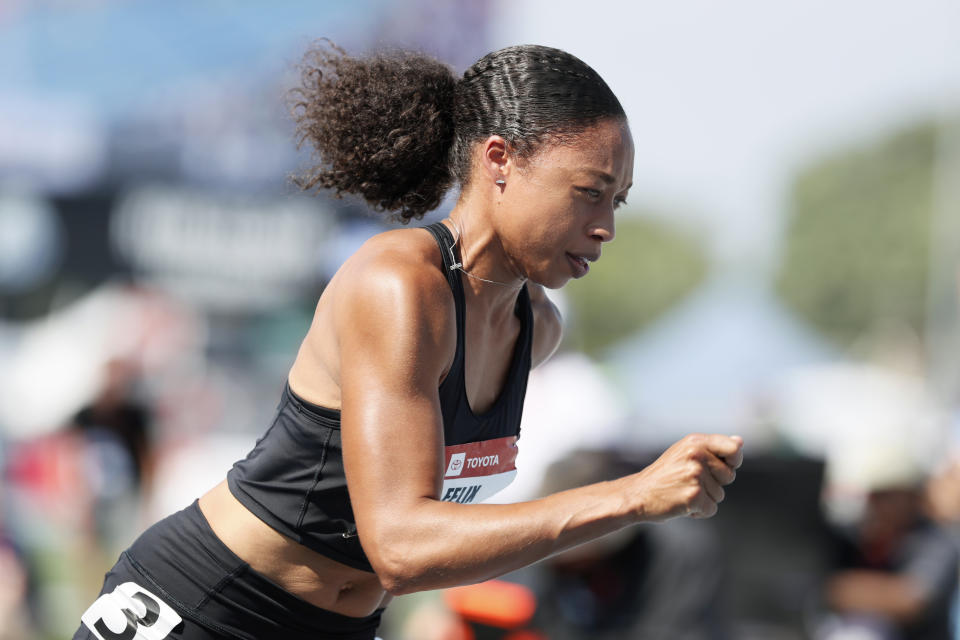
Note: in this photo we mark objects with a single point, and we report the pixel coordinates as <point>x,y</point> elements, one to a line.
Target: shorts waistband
<point>184,556</point>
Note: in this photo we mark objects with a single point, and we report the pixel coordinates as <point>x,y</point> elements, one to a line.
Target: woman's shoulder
<point>390,306</point>
<point>389,302</point>
<point>408,258</point>
<point>397,273</point>
<point>412,242</point>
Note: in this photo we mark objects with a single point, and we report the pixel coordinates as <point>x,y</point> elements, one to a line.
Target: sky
<point>726,100</point>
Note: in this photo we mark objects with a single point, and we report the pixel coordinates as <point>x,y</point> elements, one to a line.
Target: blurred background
<point>787,269</point>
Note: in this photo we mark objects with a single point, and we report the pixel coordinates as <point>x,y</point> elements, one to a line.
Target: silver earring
<point>501,182</point>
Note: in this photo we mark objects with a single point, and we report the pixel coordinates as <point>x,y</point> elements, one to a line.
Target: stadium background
<point>786,269</point>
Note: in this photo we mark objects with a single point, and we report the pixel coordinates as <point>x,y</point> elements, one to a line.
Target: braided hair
<point>398,128</point>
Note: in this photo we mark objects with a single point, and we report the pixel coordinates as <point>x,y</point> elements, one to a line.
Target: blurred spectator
<point>659,581</point>
<point>115,429</point>
<point>115,416</point>
<point>895,575</point>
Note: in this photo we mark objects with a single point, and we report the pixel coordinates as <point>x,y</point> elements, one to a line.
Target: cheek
<point>536,224</point>
<point>541,237</point>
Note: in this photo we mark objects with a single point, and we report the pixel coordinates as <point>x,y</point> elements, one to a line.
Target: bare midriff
<point>303,572</point>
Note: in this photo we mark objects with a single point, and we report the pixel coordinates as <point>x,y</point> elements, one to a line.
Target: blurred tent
<point>829,406</point>
<point>875,427</point>
<point>709,364</point>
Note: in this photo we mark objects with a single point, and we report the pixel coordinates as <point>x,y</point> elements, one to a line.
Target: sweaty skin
<point>382,340</point>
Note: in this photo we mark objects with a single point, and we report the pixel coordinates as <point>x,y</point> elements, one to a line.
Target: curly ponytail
<point>381,126</point>
<point>398,129</point>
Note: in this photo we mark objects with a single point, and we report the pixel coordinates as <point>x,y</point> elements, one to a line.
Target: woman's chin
<point>552,281</point>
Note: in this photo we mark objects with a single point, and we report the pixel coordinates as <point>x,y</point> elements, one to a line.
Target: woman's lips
<point>581,265</point>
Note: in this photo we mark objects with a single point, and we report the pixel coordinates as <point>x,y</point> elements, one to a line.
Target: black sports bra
<point>293,479</point>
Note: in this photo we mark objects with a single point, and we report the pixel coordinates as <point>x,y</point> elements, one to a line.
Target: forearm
<point>435,544</point>
<point>895,596</point>
<point>426,544</point>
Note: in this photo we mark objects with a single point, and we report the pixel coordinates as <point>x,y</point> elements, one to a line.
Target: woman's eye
<point>593,193</point>
<point>619,202</point>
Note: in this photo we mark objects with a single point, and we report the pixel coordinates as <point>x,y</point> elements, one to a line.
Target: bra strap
<point>445,241</point>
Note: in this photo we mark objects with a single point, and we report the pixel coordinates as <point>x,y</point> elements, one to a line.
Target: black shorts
<point>182,563</point>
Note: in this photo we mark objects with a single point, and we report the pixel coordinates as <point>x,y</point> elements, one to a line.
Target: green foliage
<point>648,268</point>
<point>857,244</point>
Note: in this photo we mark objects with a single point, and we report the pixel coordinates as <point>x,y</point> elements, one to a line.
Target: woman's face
<point>557,209</point>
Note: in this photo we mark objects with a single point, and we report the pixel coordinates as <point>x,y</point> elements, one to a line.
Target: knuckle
<point>696,438</point>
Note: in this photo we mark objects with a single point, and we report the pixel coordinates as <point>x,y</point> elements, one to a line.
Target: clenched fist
<point>688,479</point>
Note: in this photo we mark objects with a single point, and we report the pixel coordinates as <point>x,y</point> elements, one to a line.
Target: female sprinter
<point>402,409</point>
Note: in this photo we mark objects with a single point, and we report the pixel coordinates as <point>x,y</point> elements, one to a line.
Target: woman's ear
<point>496,160</point>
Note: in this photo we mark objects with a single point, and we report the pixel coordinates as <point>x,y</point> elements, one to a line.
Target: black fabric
<point>127,424</point>
<point>182,561</point>
<point>293,478</point>
<point>460,423</point>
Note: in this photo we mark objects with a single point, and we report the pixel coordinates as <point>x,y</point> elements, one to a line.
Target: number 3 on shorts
<point>130,612</point>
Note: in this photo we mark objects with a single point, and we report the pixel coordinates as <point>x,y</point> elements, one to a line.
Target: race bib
<point>130,612</point>
<point>477,470</point>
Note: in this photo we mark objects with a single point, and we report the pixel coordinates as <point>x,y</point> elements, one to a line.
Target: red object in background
<point>495,605</point>
<point>525,635</point>
<point>49,467</point>
<point>47,476</point>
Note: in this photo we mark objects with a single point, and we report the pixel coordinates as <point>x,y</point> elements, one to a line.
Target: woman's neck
<point>491,275</point>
